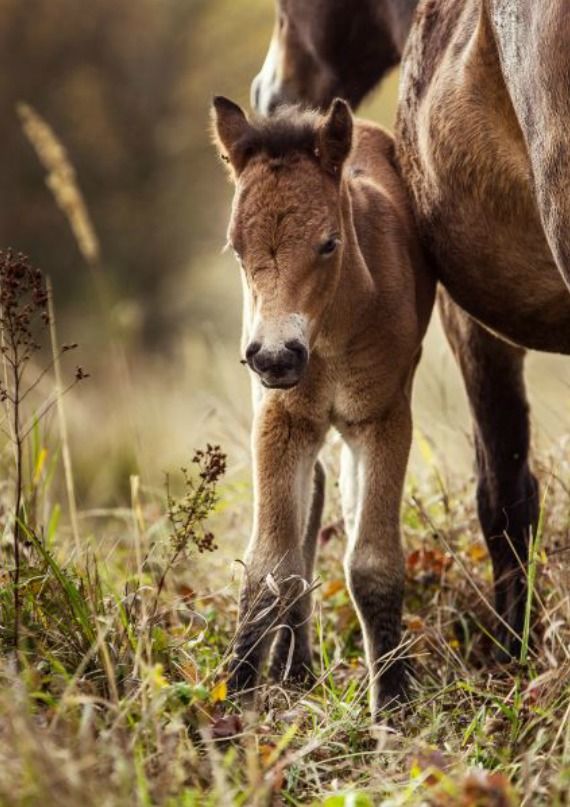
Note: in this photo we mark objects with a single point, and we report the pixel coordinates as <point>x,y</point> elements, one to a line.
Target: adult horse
<point>484,148</point>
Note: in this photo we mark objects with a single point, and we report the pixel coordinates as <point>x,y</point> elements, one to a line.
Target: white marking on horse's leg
<point>349,489</point>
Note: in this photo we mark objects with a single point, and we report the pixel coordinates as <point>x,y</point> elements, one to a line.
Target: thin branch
<point>66,454</point>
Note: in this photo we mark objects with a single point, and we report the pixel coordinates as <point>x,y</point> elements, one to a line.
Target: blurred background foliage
<point>126,86</point>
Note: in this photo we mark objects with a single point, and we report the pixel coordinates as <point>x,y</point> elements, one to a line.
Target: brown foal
<point>336,302</point>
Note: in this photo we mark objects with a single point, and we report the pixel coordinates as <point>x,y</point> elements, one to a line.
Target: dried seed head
<point>23,303</point>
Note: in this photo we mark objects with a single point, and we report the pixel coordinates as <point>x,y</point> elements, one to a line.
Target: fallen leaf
<point>331,531</point>
<point>186,593</point>
<point>332,587</point>
<point>427,560</point>
<point>477,552</point>
<point>223,728</point>
<point>415,624</point>
<point>267,752</point>
<point>490,789</point>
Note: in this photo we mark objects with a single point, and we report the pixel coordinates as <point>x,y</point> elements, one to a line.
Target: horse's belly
<point>520,297</point>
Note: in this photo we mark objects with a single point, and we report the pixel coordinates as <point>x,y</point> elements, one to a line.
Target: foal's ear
<point>230,128</point>
<point>335,136</point>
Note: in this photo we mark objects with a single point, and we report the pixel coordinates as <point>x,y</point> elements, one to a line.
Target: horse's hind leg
<point>507,491</point>
<point>291,653</point>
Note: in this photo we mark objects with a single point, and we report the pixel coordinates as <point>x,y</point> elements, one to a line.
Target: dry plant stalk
<point>66,454</point>
<point>24,317</point>
<point>187,516</point>
<point>61,180</point>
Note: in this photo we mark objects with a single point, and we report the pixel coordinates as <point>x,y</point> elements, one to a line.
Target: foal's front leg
<point>284,448</point>
<point>291,652</point>
<point>376,465</point>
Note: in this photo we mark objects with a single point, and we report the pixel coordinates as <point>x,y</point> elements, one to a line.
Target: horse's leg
<point>285,450</point>
<point>291,653</point>
<point>375,561</point>
<point>507,492</point>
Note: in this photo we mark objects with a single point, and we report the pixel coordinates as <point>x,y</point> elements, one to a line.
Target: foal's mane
<point>289,130</point>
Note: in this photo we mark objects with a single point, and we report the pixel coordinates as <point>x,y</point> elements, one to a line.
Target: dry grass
<point>118,703</point>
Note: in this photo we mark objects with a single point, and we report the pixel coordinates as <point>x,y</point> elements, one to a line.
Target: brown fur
<point>363,310</point>
<point>483,146</point>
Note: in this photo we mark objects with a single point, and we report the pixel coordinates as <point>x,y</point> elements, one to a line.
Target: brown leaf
<point>223,728</point>
<point>331,531</point>
<point>266,751</point>
<point>489,789</point>
<point>332,587</point>
<point>415,624</point>
<point>427,560</point>
<point>186,593</point>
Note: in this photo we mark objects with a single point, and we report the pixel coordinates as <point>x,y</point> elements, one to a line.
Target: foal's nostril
<point>298,349</point>
<point>252,350</point>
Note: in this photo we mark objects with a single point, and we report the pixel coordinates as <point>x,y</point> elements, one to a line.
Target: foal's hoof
<point>242,678</point>
<point>508,647</point>
<point>394,691</point>
<point>299,675</point>
<point>388,702</point>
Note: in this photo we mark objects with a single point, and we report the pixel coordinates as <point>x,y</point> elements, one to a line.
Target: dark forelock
<point>289,130</point>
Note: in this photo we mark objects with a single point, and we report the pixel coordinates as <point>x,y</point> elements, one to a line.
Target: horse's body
<point>337,302</point>
<point>483,145</point>
<point>467,160</point>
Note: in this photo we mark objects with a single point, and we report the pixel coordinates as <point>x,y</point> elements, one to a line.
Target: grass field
<point>117,693</point>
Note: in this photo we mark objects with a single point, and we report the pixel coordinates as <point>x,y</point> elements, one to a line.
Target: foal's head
<point>286,227</point>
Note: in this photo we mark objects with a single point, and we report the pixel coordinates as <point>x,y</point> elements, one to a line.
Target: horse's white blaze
<point>264,87</point>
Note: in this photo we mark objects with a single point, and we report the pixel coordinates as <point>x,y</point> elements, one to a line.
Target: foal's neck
<point>355,275</point>
<point>355,289</point>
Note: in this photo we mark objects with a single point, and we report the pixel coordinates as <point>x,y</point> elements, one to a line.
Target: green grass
<point>120,697</point>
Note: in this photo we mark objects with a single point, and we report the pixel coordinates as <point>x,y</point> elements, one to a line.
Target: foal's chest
<point>360,393</point>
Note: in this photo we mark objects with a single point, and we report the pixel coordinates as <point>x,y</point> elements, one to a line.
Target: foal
<point>336,302</point>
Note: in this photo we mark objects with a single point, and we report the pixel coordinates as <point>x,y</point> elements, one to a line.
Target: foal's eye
<point>328,246</point>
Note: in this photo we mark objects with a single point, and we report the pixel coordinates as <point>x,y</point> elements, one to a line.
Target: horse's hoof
<point>300,675</point>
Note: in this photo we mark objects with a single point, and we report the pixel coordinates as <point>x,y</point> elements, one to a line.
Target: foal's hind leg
<point>507,491</point>
<point>285,450</point>
<point>291,654</point>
